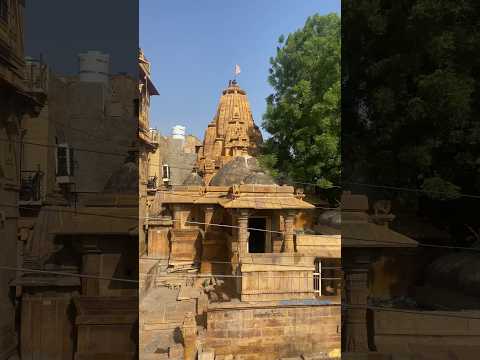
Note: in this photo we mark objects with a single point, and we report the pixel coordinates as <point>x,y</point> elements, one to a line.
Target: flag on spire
<point>237,69</point>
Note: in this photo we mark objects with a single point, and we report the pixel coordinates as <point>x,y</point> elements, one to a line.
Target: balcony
<point>36,76</point>
<point>154,136</point>
<point>31,187</point>
<point>152,183</point>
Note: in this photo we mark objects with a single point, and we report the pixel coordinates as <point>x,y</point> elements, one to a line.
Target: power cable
<point>248,228</point>
<point>388,187</point>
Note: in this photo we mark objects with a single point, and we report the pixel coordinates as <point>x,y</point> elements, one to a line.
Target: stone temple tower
<point>231,133</point>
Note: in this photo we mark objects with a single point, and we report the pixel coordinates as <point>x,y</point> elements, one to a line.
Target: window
<point>4,10</point>
<point>64,160</point>
<point>327,278</point>
<point>62,168</point>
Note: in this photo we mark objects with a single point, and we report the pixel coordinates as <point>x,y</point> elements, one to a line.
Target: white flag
<point>237,69</point>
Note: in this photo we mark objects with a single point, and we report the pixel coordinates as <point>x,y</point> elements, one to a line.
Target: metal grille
<point>317,278</point>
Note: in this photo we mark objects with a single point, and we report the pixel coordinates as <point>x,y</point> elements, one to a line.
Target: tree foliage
<point>411,94</point>
<point>303,113</point>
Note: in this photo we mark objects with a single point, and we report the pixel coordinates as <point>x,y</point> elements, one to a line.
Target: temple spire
<point>231,133</point>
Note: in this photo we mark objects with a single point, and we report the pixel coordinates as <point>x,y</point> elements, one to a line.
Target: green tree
<point>303,113</point>
<point>411,95</point>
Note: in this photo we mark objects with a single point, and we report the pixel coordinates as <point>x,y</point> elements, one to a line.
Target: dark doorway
<point>257,239</point>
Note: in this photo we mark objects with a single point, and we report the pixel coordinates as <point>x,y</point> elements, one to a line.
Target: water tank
<point>94,67</point>
<point>178,132</point>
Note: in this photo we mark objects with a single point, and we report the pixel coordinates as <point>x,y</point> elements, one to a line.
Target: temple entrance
<point>257,239</point>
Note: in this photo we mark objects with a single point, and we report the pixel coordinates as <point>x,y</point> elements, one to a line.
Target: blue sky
<point>117,37</point>
<point>193,46</point>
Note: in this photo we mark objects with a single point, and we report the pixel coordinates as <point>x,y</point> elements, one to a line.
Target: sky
<point>61,29</point>
<point>193,47</point>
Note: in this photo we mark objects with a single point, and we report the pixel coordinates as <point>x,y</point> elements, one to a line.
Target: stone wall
<point>321,246</point>
<point>438,335</point>
<point>271,332</point>
<point>179,155</point>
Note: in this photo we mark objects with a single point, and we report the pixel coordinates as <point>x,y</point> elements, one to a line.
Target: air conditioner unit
<point>64,162</point>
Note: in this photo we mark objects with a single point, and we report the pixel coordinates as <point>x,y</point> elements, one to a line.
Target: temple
<point>229,244</point>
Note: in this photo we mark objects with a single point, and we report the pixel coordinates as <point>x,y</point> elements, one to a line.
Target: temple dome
<point>193,179</point>
<point>241,170</point>
<point>259,178</point>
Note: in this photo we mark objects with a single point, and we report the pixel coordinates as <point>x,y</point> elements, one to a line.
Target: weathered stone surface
<point>259,178</point>
<point>224,357</point>
<point>193,179</point>
<point>206,355</point>
<point>179,156</point>
<point>124,180</point>
<point>272,333</point>
<point>241,170</point>
<point>175,351</point>
<point>232,173</point>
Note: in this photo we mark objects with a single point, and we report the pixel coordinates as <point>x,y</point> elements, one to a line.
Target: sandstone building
<point>148,141</point>
<point>173,160</point>
<point>404,298</point>
<point>18,99</point>
<point>228,271</point>
<point>78,225</point>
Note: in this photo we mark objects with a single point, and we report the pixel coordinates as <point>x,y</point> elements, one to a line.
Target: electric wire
<point>388,187</point>
<point>76,212</point>
<point>294,302</point>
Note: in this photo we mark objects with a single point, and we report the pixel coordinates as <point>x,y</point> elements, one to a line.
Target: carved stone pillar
<point>289,245</point>
<point>356,296</point>
<point>189,333</point>
<point>208,211</point>
<point>176,215</point>
<point>181,213</point>
<point>242,223</point>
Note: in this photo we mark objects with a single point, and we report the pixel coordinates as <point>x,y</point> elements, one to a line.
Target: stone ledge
<point>326,301</point>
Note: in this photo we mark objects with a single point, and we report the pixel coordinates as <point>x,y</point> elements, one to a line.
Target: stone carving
<point>231,133</point>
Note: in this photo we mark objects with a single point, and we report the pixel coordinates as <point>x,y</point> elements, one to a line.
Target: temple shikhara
<point>229,267</point>
<point>232,133</point>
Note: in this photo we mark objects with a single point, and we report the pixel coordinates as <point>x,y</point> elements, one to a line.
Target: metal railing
<point>327,278</point>
<point>36,79</point>
<point>154,136</point>
<point>152,182</point>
